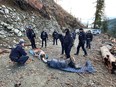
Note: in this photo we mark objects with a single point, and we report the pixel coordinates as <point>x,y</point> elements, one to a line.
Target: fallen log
<point>4,51</point>
<point>109,59</point>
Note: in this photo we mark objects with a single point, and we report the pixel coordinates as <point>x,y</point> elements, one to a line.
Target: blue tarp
<point>87,68</point>
<point>61,65</point>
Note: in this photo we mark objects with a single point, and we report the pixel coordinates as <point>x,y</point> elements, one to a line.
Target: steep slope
<point>15,15</point>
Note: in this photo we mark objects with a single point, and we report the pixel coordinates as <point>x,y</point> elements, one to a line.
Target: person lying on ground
<point>69,65</point>
<point>57,63</point>
<point>38,53</point>
<point>18,54</point>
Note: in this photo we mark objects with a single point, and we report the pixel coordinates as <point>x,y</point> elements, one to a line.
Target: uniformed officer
<point>61,38</point>
<point>18,54</point>
<point>68,43</point>
<point>31,36</point>
<point>55,37</point>
<point>89,38</point>
<point>82,38</point>
<point>44,37</point>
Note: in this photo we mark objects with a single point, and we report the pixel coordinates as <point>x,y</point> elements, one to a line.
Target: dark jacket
<point>18,51</point>
<point>89,36</point>
<point>30,33</point>
<point>82,37</point>
<point>44,35</point>
<point>74,35</point>
<point>68,40</point>
<point>61,38</point>
<point>55,35</point>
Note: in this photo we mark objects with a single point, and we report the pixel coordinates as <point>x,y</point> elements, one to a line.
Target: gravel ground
<point>37,74</point>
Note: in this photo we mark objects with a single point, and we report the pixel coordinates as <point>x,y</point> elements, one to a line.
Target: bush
<point>112,31</point>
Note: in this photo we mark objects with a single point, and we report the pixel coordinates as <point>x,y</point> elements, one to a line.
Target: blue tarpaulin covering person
<point>69,65</point>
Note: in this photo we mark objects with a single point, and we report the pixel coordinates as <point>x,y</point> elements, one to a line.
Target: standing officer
<point>89,37</point>
<point>61,38</point>
<point>82,38</point>
<point>68,43</point>
<point>55,37</point>
<point>31,36</point>
<point>44,37</point>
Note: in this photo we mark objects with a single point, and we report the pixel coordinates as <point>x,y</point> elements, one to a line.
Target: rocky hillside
<point>15,15</point>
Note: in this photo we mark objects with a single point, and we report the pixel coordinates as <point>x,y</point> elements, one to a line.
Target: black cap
<point>81,29</point>
<point>67,30</point>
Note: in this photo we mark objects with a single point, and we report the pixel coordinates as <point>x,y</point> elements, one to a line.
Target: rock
<point>3,6</point>
<point>10,27</point>
<point>1,11</point>
<point>6,11</point>
<point>2,32</point>
<point>19,33</point>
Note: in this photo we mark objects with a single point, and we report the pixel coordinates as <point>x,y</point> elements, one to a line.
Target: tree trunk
<point>108,58</point>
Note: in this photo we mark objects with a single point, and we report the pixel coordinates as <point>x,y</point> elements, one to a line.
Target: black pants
<point>88,43</point>
<point>44,40</point>
<point>33,43</point>
<point>54,41</point>
<point>67,49</point>
<point>63,48</point>
<point>20,60</point>
<point>81,44</point>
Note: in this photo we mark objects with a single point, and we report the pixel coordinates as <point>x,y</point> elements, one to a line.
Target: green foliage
<point>99,13</point>
<point>112,31</point>
<point>104,25</point>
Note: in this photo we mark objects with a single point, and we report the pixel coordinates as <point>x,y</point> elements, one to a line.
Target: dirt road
<point>37,74</point>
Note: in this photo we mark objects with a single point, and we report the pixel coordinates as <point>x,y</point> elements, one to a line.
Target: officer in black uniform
<point>55,37</point>
<point>68,43</point>
<point>31,36</point>
<point>44,37</point>
<point>82,38</point>
<point>18,54</point>
<point>89,38</point>
<point>61,38</point>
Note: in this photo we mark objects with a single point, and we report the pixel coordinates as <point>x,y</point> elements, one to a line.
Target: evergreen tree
<point>104,25</point>
<point>99,13</point>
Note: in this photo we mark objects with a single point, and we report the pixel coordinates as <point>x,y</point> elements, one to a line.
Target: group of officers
<point>19,55</point>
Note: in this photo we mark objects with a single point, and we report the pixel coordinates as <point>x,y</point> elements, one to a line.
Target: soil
<point>36,74</point>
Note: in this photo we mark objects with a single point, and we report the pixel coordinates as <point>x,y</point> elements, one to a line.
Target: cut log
<point>4,51</point>
<point>108,58</point>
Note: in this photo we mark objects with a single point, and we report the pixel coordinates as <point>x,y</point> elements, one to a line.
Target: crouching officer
<point>44,37</point>
<point>18,54</point>
<point>68,43</point>
<point>89,38</point>
<point>55,37</point>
